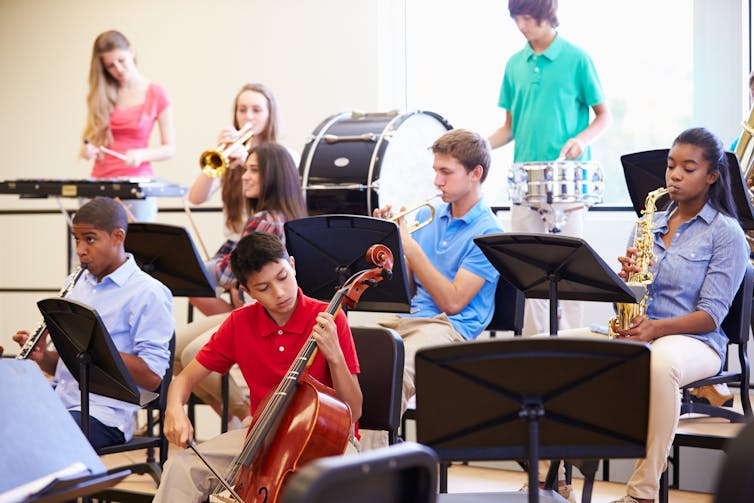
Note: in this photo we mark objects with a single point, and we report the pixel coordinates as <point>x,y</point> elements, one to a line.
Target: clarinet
<point>34,338</point>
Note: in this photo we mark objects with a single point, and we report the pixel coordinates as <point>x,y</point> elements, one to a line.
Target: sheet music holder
<point>86,348</point>
<point>645,171</point>
<point>533,398</point>
<point>328,249</point>
<point>167,253</point>
<point>554,267</point>
<point>39,438</point>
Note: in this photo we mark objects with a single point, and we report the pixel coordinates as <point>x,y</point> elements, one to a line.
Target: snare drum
<point>356,162</point>
<point>545,183</point>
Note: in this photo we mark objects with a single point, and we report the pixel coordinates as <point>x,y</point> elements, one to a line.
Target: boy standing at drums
<point>547,91</point>
<point>454,282</point>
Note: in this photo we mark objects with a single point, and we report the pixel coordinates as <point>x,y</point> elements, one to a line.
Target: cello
<point>301,419</point>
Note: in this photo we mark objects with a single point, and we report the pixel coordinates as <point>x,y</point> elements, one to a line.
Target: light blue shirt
<point>700,271</point>
<point>449,244</point>
<point>549,96</point>
<point>137,311</point>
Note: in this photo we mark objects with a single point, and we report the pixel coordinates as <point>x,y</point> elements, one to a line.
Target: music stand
<point>328,249</point>
<point>86,348</point>
<point>532,399</point>
<point>39,438</point>
<point>167,253</point>
<point>645,171</point>
<point>546,266</point>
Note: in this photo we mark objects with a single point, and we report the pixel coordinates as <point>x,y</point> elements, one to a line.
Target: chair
<point>509,309</point>
<point>510,303</point>
<point>736,325</point>
<point>148,440</point>
<point>473,403</point>
<point>403,473</point>
<point>380,352</point>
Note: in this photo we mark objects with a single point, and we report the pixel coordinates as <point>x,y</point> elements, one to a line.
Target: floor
<point>461,478</point>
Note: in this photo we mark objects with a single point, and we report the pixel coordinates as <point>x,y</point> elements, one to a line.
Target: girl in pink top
<point>122,108</point>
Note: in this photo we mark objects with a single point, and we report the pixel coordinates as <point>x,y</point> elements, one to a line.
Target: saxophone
<point>644,244</point>
<point>40,330</point>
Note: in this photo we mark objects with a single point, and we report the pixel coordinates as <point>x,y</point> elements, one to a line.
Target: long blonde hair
<point>232,195</point>
<point>103,89</point>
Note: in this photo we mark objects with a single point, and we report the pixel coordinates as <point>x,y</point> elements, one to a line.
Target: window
<point>656,62</point>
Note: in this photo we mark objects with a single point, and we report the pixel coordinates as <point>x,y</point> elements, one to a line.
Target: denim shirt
<point>701,270</point>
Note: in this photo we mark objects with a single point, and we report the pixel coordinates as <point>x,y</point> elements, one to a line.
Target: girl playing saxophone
<point>700,255</point>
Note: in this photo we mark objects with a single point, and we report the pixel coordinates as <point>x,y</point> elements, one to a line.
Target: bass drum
<point>356,162</point>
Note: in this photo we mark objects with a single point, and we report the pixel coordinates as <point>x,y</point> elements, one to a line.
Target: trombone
<point>215,161</point>
<point>415,226</point>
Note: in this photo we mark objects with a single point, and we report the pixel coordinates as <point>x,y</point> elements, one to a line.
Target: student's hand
<point>641,328</point>
<point>325,334</point>
<point>136,156</point>
<point>383,212</point>
<point>573,149</point>
<point>89,152</point>
<point>39,348</point>
<point>628,263</point>
<point>178,429</point>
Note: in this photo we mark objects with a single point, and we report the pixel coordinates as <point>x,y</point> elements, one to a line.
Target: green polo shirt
<point>549,96</point>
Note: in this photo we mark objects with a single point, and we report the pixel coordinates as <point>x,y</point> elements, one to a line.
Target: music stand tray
<point>547,266</point>
<point>167,253</point>
<point>645,171</point>
<point>328,249</point>
<point>533,398</point>
<point>40,438</point>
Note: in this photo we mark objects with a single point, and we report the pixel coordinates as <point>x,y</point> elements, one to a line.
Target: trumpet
<point>214,162</point>
<point>415,226</point>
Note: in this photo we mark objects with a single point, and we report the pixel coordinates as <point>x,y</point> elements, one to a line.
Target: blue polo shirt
<point>449,244</point>
<point>549,96</point>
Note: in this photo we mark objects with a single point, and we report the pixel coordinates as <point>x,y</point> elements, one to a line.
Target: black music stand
<point>532,399</point>
<point>86,348</point>
<point>546,266</point>
<point>167,253</point>
<point>328,249</point>
<point>39,438</point>
<point>645,172</point>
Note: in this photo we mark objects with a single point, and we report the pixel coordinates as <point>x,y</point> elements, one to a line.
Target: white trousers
<point>676,360</point>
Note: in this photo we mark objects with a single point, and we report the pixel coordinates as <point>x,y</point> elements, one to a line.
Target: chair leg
<point>444,477</point>
<point>663,496</point>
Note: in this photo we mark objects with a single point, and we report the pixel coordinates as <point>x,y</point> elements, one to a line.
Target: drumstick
<point>111,152</point>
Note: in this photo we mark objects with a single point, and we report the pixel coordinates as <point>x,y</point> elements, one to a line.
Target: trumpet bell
<point>215,161</point>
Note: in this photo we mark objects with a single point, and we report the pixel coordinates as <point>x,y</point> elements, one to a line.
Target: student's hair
<point>232,195</point>
<point>279,183</point>
<point>253,252</point>
<point>103,89</point>
<point>541,10</point>
<point>720,196</point>
<point>468,147</point>
<point>103,213</point>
